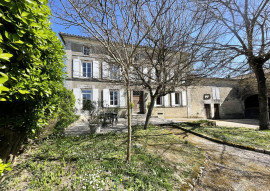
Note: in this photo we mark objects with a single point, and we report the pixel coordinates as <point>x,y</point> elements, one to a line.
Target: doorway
<point>138,107</point>
<point>207,109</point>
<point>216,111</point>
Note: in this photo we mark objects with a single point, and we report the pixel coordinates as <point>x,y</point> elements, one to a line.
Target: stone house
<point>91,78</point>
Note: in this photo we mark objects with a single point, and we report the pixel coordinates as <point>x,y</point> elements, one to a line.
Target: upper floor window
<point>159,101</point>
<point>114,72</point>
<point>114,97</point>
<point>86,98</point>
<point>86,50</point>
<point>87,69</point>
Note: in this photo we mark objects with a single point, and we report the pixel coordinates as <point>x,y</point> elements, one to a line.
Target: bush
<point>66,114</point>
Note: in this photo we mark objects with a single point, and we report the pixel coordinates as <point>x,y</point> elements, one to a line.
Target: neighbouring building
<point>91,78</point>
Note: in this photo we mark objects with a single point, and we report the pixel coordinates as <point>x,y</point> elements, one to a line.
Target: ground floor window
<point>159,101</point>
<point>86,98</point>
<point>177,98</point>
<point>114,95</point>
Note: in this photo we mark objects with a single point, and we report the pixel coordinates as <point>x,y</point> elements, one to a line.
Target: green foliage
<point>66,114</point>
<point>238,135</point>
<point>31,64</point>
<point>98,162</point>
<point>4,167</point>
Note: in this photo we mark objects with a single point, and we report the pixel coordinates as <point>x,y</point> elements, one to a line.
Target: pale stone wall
<point>231,92</point>
<point>170,112</point>
<point>230,102</point>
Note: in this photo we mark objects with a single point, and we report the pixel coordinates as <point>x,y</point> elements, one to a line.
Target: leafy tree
<point>31,69</point>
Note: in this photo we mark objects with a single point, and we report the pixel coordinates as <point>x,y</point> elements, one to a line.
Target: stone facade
<point>209,98</point>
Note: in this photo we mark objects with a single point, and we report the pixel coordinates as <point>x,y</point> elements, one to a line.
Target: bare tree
<point>115,24</point>
<point>243,42</point>
<point>172,53</point>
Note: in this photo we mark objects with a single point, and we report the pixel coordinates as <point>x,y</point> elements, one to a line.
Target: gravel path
<point>229,168</point>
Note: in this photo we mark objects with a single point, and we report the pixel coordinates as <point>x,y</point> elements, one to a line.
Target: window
<point>114,74</point>
<point>113,97</point>
<point>177,98</point>
<point>87,98</point>
<point>87,70</point>
<point>159,100</point>
<point>86,50</point>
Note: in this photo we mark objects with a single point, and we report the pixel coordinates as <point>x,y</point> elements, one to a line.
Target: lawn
<point>238,135</point>
<point>160,161</point>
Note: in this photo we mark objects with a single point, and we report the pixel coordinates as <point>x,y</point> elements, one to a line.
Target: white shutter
<point>95,96</point>
<point>106,97</point>
<point>105,70</point>
<point>95,69</point>
<point>183,80</point>
<point>154,91</point>
<point>217,94</point>
<point>145,72</point>
<point>166,100</point>
<point>173,99</point>
<point>153,74</point>
<point>184,98</point>
<point>78,98</point>
<point>76,68</point>
<point>214,93</point>
<point>122,98</point>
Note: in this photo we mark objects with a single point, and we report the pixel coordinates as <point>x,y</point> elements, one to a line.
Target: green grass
<point>160,161</point>
<point>238,135</point>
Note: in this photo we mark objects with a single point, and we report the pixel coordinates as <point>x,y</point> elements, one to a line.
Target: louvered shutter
<point>95,97</point>
<point>166,100</point>
<point>78,98</point>
<point>173,99</point>
<point>95,69</point>
<point>217,94</point>
<point>184,98</point>
<point>122,98</point>
<point>76,68</point>
<point>106,97</point>
<point>214,93</point>
<point>105,70</point>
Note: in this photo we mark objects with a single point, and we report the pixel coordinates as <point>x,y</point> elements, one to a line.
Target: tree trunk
<point>129,122</point>
<point>149,112</point>
<point>262,96</point>
<point>10,143</point>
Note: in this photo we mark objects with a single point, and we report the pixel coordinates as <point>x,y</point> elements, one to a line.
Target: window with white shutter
<point>86,98</point>
<point>159,101</point>
<point>114,97</point>
<point>86,69</point>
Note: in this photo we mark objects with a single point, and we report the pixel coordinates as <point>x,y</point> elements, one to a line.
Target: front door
<point>138,102</point>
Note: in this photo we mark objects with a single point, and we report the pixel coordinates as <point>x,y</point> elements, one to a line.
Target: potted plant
<point>94,117</point>
<point>94,124</point>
